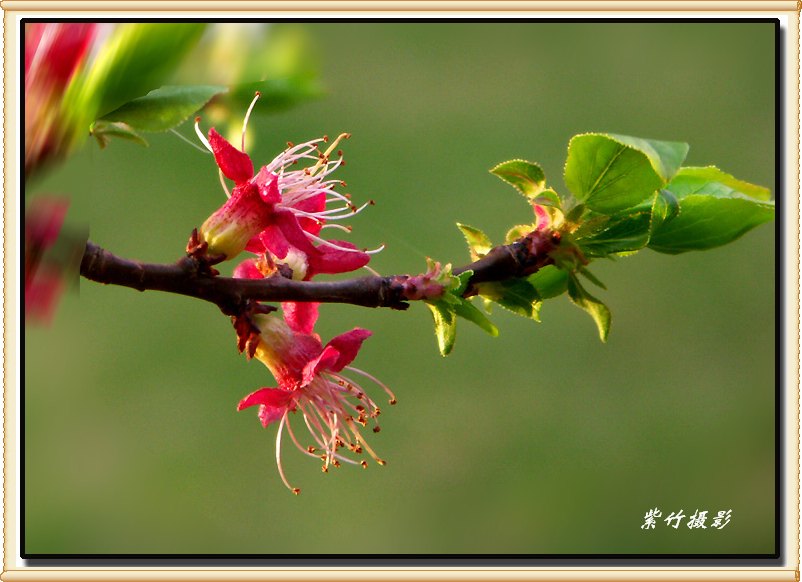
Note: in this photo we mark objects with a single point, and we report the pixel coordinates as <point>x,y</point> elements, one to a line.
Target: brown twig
<point>190,276</point>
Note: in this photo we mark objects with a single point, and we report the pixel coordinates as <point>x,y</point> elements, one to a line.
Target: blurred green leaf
<point>610,173</point>
<point>165,107</point>
<point>135,59</point>
<point>276,94</point>
<point>705,222</point>
<point>595,308</point>
<point>592,278</point>
<point>526,177</point>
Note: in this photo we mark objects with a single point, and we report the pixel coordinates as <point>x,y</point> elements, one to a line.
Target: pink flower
<point>43,279</point>
<point>310,382</point>
<point>275,208</point>
<point>53,53</point>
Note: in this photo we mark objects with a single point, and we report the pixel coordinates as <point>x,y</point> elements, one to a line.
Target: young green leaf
<point>592,278</point>
<point>528,178</point>
<point>597,310</point>
<point>550,281</point>
<point>625,231</point>
<point>164,108</point>
<point>465,309</point>
<point>518,231</point>
<point>515,295</point>
<point>610,173</point>
<point>713,182</point>
<point>664,208</point>
<point>445,326</point>
<point>665,156</point>
<point>705,222</point>
<point>478,242</point>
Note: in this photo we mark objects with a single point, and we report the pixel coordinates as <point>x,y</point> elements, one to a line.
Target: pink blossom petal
<point>329,260</point>
<point>272,239</point>
<point>301,317</point>
<point>273,402</point>
<point>267,182</point>
<point>312,204</point>
<point>543,218</point>
<point>348,345</point>
<point>236,165</point>
<point>247,270</point>
<point>327,359</point>
<point>285,232</point>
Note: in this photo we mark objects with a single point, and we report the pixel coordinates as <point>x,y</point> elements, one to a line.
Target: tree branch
<point>190,276</point>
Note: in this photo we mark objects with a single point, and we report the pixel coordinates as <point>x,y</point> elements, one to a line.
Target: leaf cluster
<point>625,194</point>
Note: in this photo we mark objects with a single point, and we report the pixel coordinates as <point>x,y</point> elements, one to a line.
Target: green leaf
<point>478,242</point>
<point>445,326</point>
<point>595,308</point>
<point>550,281</point>
<point>625,231</point>
<point>164,108</point>
<point>548,198</point>
<point>135,59</point>
<point>665,156</point>
<point>467,310</point>
<point>463,279</point>
<point>276,94</point>
<point>517,232</point>
<point>705,222</point>
<point>592,278</point>
<point>610,173</point>
<point>526,177</point>
<point>103,131</point>
<point>515,295</point>
<point>664,208</point>
<point>713,182</point>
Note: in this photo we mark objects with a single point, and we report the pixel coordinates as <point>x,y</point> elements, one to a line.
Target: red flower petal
<point>267,182</point>
<point>247,270</point>
<point>330,260</point>
<point>313,204</point>
<point>348,345</point>
<point>274,402</point>
<point>236,165</point>
<point>325,361</point>
<point>301,317</point>
<point>285,232</point>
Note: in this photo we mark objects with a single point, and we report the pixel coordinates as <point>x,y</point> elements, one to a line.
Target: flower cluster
<point>278,215</point>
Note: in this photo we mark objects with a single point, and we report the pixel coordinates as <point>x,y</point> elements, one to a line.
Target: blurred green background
<point>541,441</point>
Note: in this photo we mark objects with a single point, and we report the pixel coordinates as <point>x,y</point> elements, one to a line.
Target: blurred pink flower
<point>53,53</point>
<point>43,280</point>
<point>310,381</point>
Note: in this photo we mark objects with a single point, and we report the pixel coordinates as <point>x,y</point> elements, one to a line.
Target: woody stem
<point>188,276</point>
